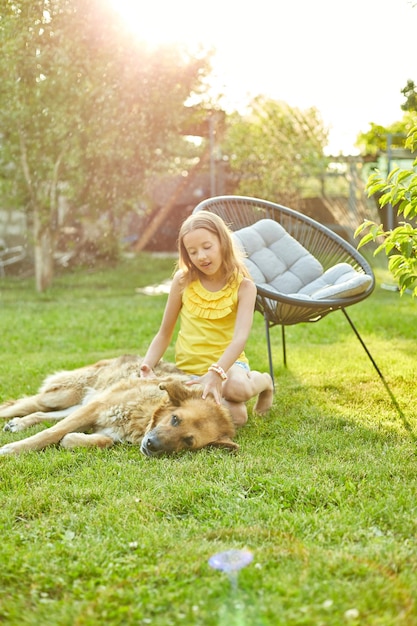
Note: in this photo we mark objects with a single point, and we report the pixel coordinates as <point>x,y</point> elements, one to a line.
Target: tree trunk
<point>44,262</point>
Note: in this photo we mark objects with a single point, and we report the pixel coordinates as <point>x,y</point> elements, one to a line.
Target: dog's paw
<point>14,426</point>
<point>71,440</point>
<point>7,449</point>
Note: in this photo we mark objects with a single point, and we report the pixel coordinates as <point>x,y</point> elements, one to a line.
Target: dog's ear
<point>225,442</point>
<point>177,391</point>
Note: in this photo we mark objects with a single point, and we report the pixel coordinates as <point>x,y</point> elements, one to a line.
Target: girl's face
<point>203,248</point>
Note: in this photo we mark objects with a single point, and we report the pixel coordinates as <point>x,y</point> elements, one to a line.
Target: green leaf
<point>365,224</point>
<point>385,199</point>
<point>403,175</point>
<point>380,248</point>
<point>404,207</point>
<point>393,173</point>
<point>375,187</point>
<point>366,239</point>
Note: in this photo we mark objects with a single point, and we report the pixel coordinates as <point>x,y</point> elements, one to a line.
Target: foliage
<point>273,148</point>
<point>410,93</point>
<point>400,243</point>
<point>88,110</point>
<point>322,490</point>
<point>380,138</point>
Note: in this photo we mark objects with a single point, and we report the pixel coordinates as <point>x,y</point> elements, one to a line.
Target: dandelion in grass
<point>231,562</point>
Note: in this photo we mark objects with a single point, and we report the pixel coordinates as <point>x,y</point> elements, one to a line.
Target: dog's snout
<point>150,446</point>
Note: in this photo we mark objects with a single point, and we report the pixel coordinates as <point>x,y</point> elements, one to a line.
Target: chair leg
<point>284,346</point>
<point>268,343</point>
<point>394,401</point>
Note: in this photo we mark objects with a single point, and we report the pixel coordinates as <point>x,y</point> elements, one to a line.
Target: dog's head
<point>184,421</point>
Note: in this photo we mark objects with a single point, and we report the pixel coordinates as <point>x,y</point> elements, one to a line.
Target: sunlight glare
<point>165,22</point>
<point>319,54</point>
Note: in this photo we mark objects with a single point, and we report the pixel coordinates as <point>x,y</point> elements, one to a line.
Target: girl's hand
<point>146,371</point>
<point>211,383</point>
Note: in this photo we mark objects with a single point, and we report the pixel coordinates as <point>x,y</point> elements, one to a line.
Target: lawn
<point>322,491</point>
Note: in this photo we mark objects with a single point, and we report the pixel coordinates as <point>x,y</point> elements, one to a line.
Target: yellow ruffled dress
<point>207,322</point>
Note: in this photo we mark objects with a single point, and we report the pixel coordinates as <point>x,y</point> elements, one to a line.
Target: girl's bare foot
<point>265,398</point>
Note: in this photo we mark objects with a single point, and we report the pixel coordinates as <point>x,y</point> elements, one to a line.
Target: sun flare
<point>287,51</point>
<point>162,22</point>
<point>187,23</point>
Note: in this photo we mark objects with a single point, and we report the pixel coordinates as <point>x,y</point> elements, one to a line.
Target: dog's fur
<point>108,402</point>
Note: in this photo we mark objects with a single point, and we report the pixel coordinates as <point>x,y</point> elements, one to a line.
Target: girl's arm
<point>243,325</point>
<point>162,339</point>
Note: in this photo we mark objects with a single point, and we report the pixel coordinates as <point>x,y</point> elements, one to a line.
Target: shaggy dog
<point>107,402</point>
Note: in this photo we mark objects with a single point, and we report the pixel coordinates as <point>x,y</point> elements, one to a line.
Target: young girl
<point>215,299</point>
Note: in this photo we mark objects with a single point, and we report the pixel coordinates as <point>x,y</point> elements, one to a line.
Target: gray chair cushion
<point>277,261</point>
<point>339,281</point>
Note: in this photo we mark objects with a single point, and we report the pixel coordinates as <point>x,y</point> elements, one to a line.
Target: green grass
<point>322,491</point>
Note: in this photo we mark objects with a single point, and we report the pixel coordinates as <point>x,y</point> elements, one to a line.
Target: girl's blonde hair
<point>232,257</point>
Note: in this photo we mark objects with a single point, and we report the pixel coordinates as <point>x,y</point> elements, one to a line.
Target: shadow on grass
<point>314,408</point>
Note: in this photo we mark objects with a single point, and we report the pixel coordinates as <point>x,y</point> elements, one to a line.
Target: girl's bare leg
<point>238,411</point>
<point>241,386</point>
<point>266,396</point>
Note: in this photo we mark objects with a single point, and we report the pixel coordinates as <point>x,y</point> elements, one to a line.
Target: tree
<point>382,138</point>
<point>410,93</point>
<point>274,148</point>
<point>87,109</point>
<point>400,243</point>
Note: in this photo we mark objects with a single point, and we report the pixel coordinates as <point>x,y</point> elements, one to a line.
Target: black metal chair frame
<point>325,245</point>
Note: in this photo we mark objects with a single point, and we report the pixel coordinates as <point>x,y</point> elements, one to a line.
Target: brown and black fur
<point>107,402</point>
